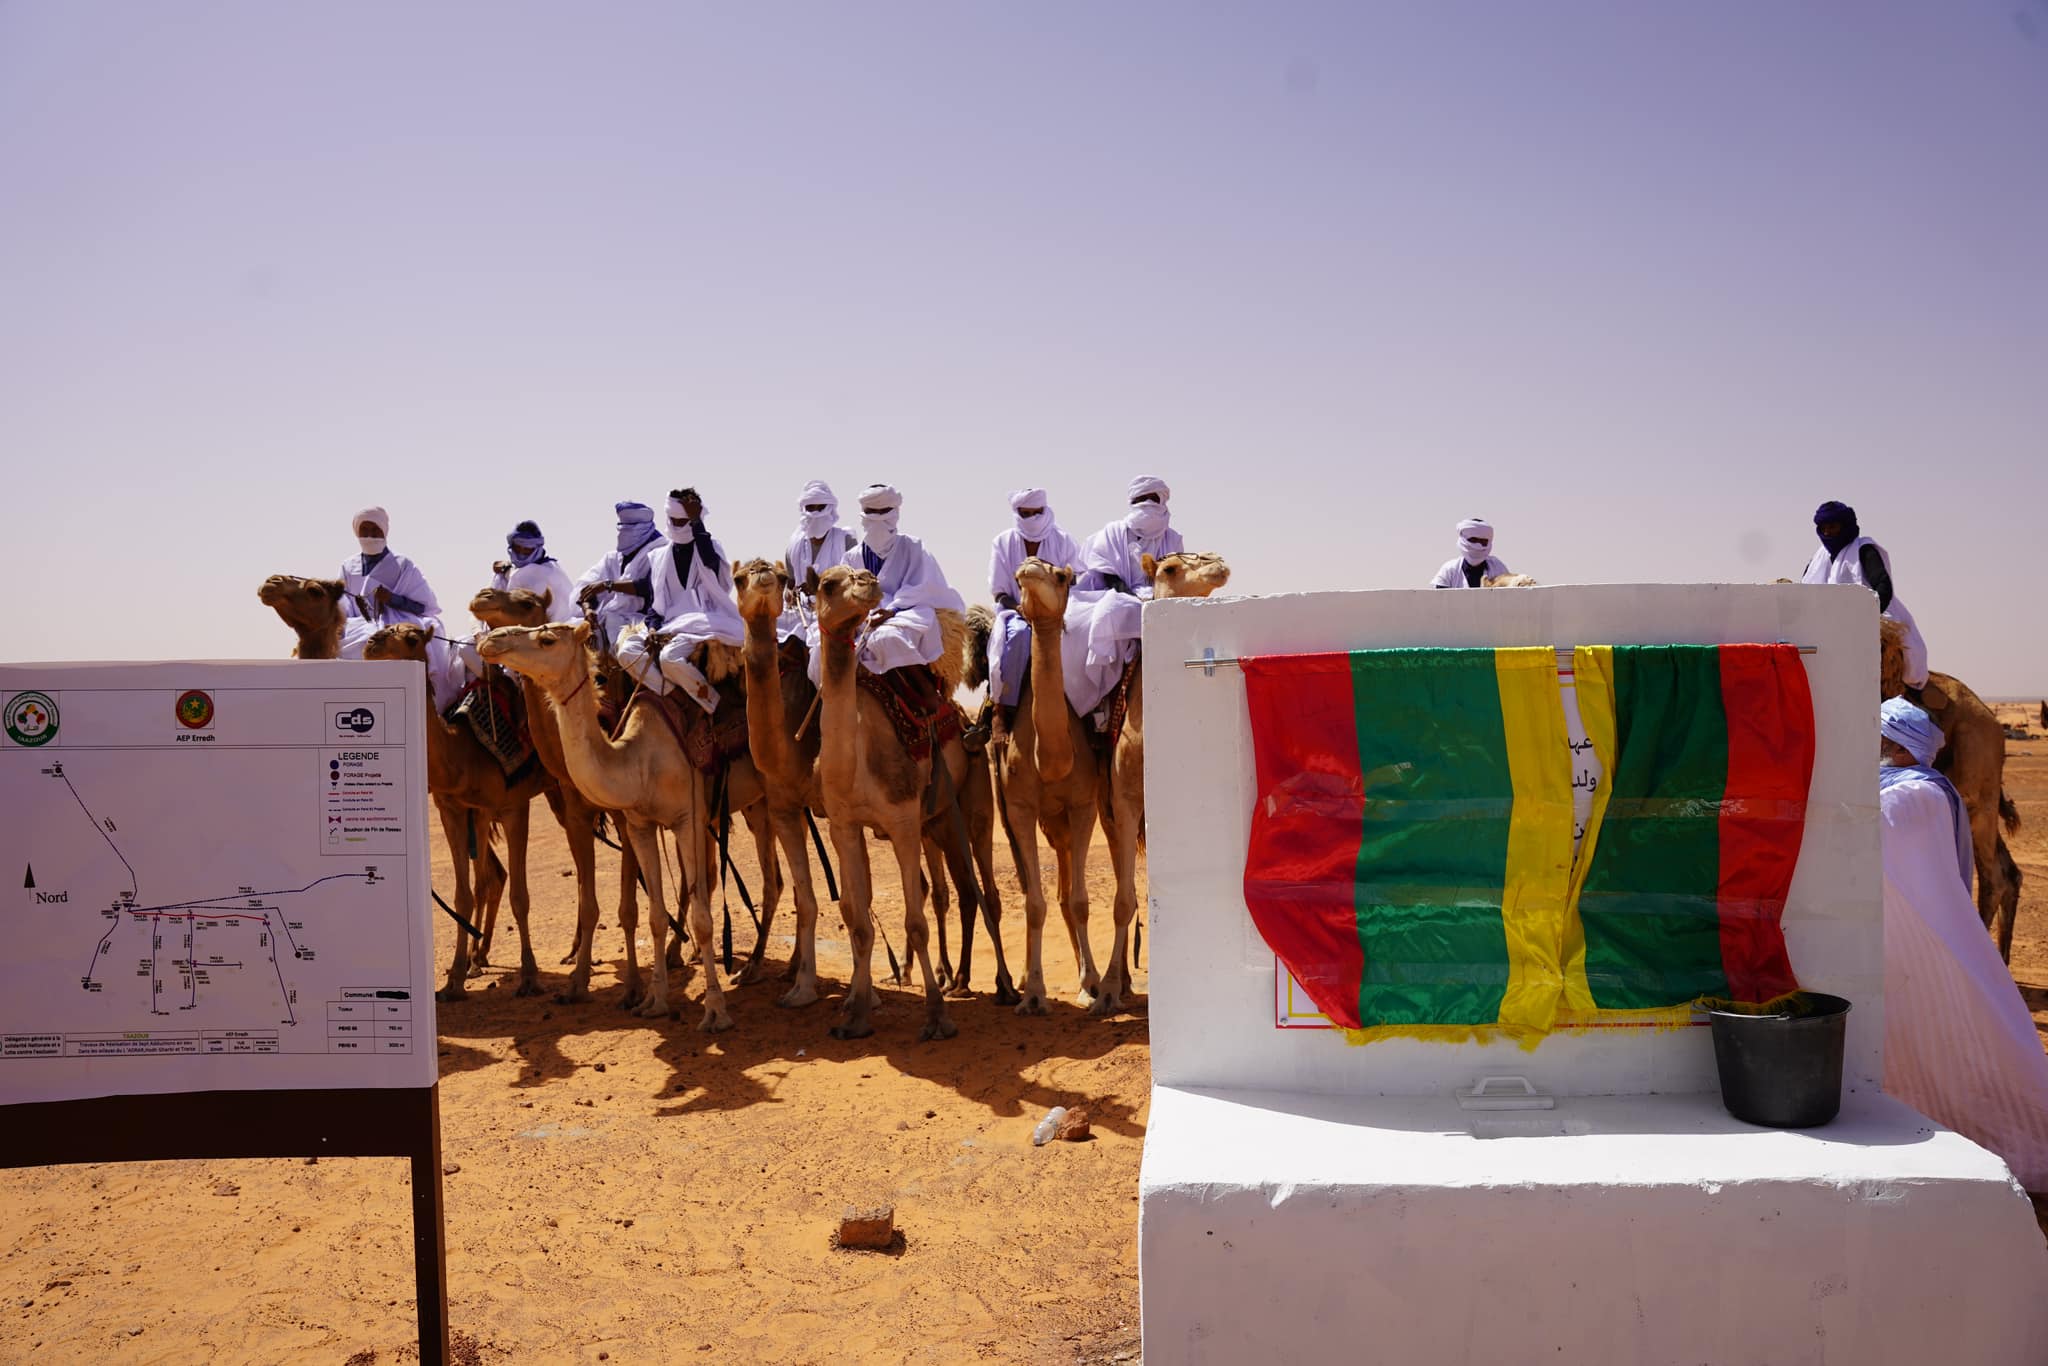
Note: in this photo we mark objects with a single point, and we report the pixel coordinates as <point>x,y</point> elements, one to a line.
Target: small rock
<point>931,1114</point>
<point>25,1301</point>
<point>604,1356</point>
<point>312,1161</point>
<point>526,1105</point>
<point>593,1104</point>
<point>598,1066</point>
<point>227,1188</point>
<point>450,1168</point>
<point>872,1228</point>
<point>135,1330</point>
<point>1073,1126</point>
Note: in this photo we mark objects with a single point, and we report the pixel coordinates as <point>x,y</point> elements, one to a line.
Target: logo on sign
<point>361,720</point>
<point>31,719</point>
<point>195,709</point>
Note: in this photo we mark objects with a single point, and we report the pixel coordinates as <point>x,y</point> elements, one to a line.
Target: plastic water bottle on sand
<point>1042,1135</point>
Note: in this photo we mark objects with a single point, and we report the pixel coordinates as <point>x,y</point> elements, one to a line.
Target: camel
<point>869,781</point>
<point>312,608</point>
<point>644,776</point>
<point>1509,581</point>
<point>1121,800</point>
<point>1973,757</point>
<point>466,782</point>
<point>495,607</point>
<point>778,699</point>
<point>1050,779</point>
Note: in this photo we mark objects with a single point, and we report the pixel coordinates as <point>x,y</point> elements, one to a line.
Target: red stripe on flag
<point>1301,870</point>
<point>1763,812</point>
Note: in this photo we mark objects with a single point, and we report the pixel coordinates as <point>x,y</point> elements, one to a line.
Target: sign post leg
<point>429,1244</point>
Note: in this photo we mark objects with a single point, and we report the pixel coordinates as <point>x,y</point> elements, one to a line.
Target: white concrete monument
<point>1304,1199</point>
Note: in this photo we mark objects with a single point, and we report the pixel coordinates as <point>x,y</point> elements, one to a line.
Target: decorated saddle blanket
<point>710,741</point>
<point>495,712</point>
<point>918,709</point>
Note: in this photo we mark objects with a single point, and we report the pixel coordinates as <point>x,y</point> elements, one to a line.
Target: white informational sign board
<point>216,878</point>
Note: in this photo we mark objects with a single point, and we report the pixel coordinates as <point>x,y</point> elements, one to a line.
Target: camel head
<point>1509,581</point>
<point>763,586</point>
<point>496,607</point>
<point>399,642</point>
<point>1189,574</point>
<point>552,655</point>
<point>1042,591</point>
<point>845,597</point>
<point>305,604</point>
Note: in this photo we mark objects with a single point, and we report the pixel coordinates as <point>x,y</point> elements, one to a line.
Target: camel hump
<point>981,624</point>
<point>952,661</point>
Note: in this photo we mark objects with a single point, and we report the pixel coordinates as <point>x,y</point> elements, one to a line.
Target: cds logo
<point>361,720</point>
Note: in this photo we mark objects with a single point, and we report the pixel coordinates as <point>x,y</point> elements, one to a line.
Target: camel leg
<point>761,822</point>
<point>1123,857</point>
<point>856,906</point>
<point>697,849</point>
<point>2007,905</point>
<point>938,1024</point>
<point>1069,832</point>
<point>941,898</point>
<point>653,1004</point>
<point>455,828</point>
<point>579,825</point>
<point>981,823</point>
<point>517,821</point>
<point>490,889</point>
<point>1031,872</point>
<point>629,913</point>
<point>789,829</point>
<point>959,865</point>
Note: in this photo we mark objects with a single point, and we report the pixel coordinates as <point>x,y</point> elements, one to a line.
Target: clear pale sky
<point>1643,283</point>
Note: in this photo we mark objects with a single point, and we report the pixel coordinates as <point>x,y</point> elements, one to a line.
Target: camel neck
<point>1053,743</point>
<point>839,708</point>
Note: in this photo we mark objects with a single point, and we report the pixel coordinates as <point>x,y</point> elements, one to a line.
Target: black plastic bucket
<point>1783,1069</point>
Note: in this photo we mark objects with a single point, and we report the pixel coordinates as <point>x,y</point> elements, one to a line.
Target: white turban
<point>1911,729</point>
<point>1026,498</point>
<point>1034,527</point>
<point>880,506</point>
<point>1146,483</point>
<point>678,527</point>
<point>1470,532</point>
<point>818,491</point>
<point>376,515</point>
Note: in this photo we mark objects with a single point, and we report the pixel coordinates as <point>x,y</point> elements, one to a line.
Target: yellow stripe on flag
<point>1593,680</point>
<point>1536,891</point>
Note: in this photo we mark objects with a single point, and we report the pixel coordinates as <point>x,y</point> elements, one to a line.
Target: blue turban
<point>526,544</point>
<point>636,526</point>
<point>1911,729</point>
<point>1832,511</point>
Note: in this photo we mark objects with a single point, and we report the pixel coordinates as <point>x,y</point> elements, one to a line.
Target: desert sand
<point>634,1191</point>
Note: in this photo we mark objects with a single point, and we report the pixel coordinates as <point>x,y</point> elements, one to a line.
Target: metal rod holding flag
<point>1210,661</point>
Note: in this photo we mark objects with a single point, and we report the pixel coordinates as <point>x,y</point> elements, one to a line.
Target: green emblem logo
<point>195,710</point>
<point>31,719</point>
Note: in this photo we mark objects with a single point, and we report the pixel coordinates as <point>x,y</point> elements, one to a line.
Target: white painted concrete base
<point>1282,1227</point>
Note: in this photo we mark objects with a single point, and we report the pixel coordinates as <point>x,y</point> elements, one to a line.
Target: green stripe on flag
<point>1650,907</point>
<point>1432,750</point>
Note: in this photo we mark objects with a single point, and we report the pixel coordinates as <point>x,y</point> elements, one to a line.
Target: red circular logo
<point>195,710</point>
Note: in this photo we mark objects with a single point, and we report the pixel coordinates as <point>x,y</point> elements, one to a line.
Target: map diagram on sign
<point>219,887</point>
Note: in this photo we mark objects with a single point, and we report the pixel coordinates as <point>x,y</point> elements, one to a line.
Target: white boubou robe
<point>543,578</point>
<point>915,589</point>
<point>1103,625</point>
<point>1009,645</point>
<point>447,674</point>
<point>692,611</point>
<point>1847,567</point>
<point>1452,575</point>
<point>801,618</point>
<point>1959,1045</point>
<point>614,612</point>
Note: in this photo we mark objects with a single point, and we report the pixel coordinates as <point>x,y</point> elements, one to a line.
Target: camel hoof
<point>798,996</point>
<point>714,1022</point>
<point>448,995</point>
<point>852,1030</point>
<point>477,967</point>
<point>527,987</point>
<point>653,1008</point>
<point>1007,993</point>
<point>567,958</point>
<point>751,973</point>
<point>1031,1004</point>
<point>958,989</point>
<point>1107,1004</point>
<point>939,1028</point>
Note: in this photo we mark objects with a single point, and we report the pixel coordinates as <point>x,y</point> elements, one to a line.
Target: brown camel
<point>869,781</point>
<point>472,794</point>
<point>1050,781</point>
<point>1509,581</point>
<point>644,776</point>
<point>779,697</point>
<point>312,608</point>
<point>495,607</point>
<point>1121,800</point>
<point>1973,757</point>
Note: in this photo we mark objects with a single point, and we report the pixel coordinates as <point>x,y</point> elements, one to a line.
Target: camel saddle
<point>708,742</point>
<point>1113,710</point>
<point>495,712</point>
<point>918,708</point>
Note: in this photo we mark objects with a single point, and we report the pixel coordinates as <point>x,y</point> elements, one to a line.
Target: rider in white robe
<point>1106,605</point>
<point>1959,1045</point>
<point>1036,535</point>
<point>818,543</point>
<point>617,590</point>
<point>905,628</point>
<point>528,565</point>
<point>693,603</point>
<point>1848,556</point>
<point>1475,561</point>
<point>384,588</point>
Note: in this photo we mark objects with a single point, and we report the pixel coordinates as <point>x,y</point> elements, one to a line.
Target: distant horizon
<point>1644,285</point>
